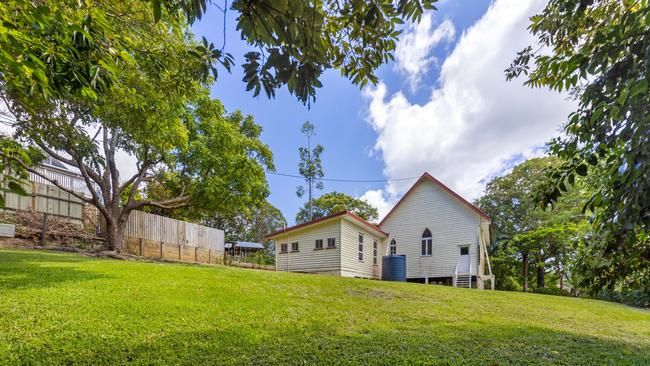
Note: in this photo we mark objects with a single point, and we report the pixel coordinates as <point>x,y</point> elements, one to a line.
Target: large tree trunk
<point>115,236</point>
<point>540,275</point>
<point>525,270</point>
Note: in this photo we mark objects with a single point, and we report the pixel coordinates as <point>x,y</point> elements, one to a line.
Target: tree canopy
<point>333,202</point>
<point>160,113</point>
<point>523,232</point>
<point>58,47</point>
<point>598,50</point>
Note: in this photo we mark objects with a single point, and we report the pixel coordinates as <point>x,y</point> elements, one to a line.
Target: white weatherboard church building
<point>443,236</point>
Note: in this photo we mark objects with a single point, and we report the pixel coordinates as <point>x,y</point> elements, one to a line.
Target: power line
<point>346,180</point>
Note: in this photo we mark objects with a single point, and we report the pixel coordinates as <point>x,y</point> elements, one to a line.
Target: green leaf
<point>623,96</point>
<point>17,188</point>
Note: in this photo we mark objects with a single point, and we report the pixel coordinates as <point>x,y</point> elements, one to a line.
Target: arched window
<point>393,247</point>
<point>427,243</point>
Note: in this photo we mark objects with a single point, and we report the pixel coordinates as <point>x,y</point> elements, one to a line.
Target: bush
<point>259,258</point>
<point>508,284</point>
<point>634,297</point>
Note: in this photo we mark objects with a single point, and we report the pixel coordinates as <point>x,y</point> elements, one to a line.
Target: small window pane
<point>360,247</point>
<point>374,252</point>
<point>426,233</point>
<point>464,250</point>
<point>331,242</point>
<point>393,247</point>
<point>294,247</point>
<point>427,247</point>
<point>283,248</point>
<point>319,244</point>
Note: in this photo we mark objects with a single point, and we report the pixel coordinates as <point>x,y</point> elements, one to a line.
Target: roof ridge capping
<point>432,179</point>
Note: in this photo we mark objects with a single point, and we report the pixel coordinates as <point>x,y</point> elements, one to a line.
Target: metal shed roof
<point>245,244</point>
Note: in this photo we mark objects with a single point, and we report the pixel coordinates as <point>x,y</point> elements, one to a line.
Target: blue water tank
<point>393,268</point>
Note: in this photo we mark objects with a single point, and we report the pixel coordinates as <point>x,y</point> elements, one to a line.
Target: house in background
<point>443,237</point>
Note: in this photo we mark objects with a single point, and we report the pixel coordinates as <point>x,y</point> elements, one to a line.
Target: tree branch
<point>51,180</point>
<point>170,204</point>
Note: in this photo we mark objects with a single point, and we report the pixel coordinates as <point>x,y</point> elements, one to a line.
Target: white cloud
<point>413,53</point>
<point>476,122</point>
<point>376,198</point>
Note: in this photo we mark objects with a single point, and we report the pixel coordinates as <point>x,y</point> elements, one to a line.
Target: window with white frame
<point>284,247</point>
<point>331,242</point>
<point>374,252</point>
<point>361,247</point>
<point>319,244</point>
<point>427,243</point>
<point>393,247</point>
<point>294,247</point>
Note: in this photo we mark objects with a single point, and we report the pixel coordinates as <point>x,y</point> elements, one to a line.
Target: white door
<point>463,265</point>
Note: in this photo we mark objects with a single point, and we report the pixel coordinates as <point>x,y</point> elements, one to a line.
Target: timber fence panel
<point>42,197</point>
<point>159,229</point>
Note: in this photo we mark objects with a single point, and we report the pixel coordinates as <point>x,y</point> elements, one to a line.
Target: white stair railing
<point>455,275</point>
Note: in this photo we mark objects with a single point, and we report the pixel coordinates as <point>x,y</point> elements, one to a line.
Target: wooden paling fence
<point>48,199</point>
<point>159,237</point>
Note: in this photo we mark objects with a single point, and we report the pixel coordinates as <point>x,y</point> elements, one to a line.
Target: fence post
<point>141,247</point>
<point>196,254</point>
<point>44,229</point>
<point>162,250</point>
<point>209,255</point>
<point>180,252</point>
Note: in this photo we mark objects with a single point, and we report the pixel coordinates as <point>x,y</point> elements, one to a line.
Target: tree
<point>61,47</point>
<point>63,50</point>
<point>334,202</point>
<point>293,42</point>
<point>161,114</point>
<point>523,233</point>
<point>249,225</point>
<point>598,50</point>
<point>310,167</point>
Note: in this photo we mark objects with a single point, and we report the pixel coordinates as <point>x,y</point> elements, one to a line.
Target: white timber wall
<point>451,222</point>
<point>307,258</point>
<point>351,266</point>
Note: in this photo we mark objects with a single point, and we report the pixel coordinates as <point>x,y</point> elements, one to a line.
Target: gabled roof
<point>426,177</point>
<point>325,218</point>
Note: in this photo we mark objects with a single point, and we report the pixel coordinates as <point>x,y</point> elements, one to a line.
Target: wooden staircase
<point>464,280</point>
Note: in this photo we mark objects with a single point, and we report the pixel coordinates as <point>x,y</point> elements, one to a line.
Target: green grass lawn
<point>64,308</point>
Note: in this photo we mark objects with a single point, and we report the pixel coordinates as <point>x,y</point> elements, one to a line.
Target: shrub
<point>508,283</point>
<point>634,297</point>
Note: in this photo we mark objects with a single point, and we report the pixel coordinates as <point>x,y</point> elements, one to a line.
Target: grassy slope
<point>64,308</point>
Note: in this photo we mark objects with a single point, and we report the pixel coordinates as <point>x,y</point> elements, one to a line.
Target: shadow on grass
<point>325,344</point>
<point>38,269</point>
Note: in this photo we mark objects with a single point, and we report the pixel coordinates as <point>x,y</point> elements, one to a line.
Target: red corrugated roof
<point>429,177</point>
<point>320,219</point>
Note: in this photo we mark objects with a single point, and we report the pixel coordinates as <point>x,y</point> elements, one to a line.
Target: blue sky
<point>418,118</point>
